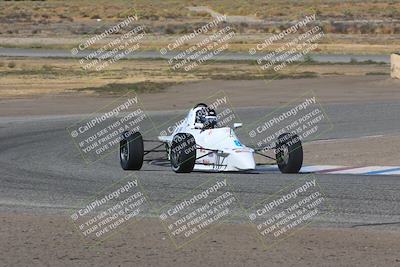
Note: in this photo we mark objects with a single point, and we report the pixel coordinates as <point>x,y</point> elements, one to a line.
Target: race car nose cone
<point>243,160</point>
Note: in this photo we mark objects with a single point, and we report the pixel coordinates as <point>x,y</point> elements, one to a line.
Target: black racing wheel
<point>131,151</point>
<point>289,153</point>
<point>183,153</point>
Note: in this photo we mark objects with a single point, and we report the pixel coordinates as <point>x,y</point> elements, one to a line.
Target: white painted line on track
<point>322,141</point>
<point>361,170</point>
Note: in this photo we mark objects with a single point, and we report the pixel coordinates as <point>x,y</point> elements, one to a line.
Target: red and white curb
<point>334,169</point>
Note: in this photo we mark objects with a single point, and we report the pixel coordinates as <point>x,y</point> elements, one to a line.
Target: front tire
<point>131,151</point>
<point>183,153</point>
<point>289,153</point>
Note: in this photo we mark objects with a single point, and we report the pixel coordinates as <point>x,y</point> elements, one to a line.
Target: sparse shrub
<point>183,30</point>
<point>367,28</point>
<point>340,28</point>
<point>11,65</point>
<point>347,13</point>
<point>308,59</point>
<point>47,67</point>
<point>169,30</point>
<point>44,21</point>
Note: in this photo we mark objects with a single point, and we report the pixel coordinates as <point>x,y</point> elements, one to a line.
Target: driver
<point>208,117</point>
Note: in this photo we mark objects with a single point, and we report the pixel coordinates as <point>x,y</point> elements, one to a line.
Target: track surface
<point>57,53</point>
<point>41,170</point>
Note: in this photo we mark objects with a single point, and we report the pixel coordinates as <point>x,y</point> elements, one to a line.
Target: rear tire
<point>183,153</point>
<point>131,151</point>
<point>289,153</point>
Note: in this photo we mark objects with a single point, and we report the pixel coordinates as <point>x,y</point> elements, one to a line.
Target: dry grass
<point>159,10</point>
<point>173,17</point>
<point>362,27</point>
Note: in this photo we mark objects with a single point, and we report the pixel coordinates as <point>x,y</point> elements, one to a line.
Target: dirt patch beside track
<point>50,240</point>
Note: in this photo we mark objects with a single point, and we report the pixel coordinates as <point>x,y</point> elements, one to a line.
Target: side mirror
<point>198,125</point>
<point>237,125</point>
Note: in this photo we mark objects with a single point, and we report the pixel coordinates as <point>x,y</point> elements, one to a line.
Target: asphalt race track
<point>42,171</point>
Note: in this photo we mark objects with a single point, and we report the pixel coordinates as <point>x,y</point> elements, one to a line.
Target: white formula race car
<point>197,143</point>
